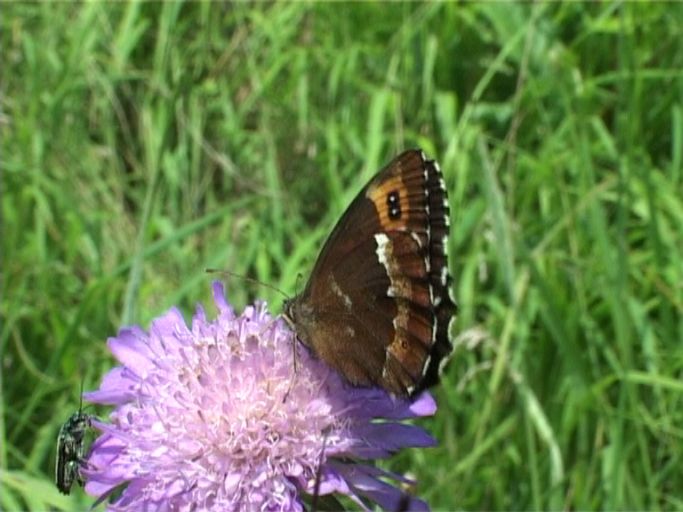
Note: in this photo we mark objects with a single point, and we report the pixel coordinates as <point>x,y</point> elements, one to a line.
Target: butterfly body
<point>377,306</point>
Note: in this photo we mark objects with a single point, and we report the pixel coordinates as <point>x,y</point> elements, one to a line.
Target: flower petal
<point>392,437</point>
<point>219,298</point>
<point>365,481</point>
<point>131,349</point>
<point>117,388</point>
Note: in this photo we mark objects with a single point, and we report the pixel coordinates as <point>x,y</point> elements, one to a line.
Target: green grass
<point>143,143</point>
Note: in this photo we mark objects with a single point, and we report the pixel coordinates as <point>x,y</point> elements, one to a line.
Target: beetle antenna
<point>80,396</point>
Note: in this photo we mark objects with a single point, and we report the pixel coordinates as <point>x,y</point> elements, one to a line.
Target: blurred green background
<point>143,143</point>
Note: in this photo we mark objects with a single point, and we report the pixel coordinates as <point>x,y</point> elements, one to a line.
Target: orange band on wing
<point>379,195</point>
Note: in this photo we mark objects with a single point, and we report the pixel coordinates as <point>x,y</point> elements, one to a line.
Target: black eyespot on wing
<point>394,205</point>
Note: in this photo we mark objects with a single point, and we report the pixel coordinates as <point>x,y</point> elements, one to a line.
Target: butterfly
<point>377,306</point>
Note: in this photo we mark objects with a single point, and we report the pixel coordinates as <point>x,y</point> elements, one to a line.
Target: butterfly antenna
<point>246,278</point>
<point>299,276</point>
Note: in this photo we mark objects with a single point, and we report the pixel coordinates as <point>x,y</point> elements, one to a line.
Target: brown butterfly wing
<point>376,306</point>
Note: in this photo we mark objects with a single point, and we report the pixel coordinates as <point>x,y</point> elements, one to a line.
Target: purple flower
<point>219,416</point>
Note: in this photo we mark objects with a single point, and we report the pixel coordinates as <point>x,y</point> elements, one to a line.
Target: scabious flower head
<point>219,416</point>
